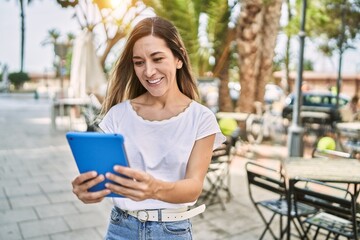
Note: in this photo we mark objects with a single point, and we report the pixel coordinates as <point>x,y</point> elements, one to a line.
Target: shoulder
<point>200,113</point>
<point>113,117</point>
<point>201,109</point>
<point>117,110</point>
<point>119,107</point>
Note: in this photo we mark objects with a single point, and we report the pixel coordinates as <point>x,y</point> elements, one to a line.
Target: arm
<point>143,186</point>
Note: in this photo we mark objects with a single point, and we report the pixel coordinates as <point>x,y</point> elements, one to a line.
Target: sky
<point>43,15</point>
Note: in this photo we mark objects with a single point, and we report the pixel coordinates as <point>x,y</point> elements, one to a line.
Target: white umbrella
<point>5,79</point>
<point>87,75</point>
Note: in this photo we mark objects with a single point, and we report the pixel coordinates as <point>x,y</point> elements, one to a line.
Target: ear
<point>179,64</point>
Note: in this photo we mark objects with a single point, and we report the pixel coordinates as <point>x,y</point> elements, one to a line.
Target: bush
<point>18,78</point>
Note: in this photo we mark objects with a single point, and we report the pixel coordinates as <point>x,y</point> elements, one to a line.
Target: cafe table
<point>349,129</point>
<point>339,170</point>
<point>238,116</point>
<point>351,132</point>
<point>59,107</point>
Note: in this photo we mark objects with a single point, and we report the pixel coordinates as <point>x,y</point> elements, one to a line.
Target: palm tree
<point>256,37</point>
<point>222,38</point>
<point>52,38</point>
<point>22,29</point>
<point>115,27</point>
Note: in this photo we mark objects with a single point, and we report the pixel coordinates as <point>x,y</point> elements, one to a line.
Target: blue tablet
<point>98,152</point>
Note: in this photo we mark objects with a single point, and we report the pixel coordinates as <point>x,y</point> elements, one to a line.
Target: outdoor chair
<point>91,114</point>
<point>217,179</point>
<point>268,193</point>
<point>337,215</point>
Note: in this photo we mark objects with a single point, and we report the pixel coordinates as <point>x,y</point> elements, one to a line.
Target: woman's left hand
<point>138,186</point>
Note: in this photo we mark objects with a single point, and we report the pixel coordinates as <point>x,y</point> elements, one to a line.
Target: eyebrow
<point>151,55</point>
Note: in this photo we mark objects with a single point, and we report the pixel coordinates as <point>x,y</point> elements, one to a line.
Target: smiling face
<point>155,66</point>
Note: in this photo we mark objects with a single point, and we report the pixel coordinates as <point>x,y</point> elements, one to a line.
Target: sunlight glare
<point>116,3</point>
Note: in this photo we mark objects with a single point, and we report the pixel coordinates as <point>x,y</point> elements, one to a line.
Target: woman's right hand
<point>83,182</point>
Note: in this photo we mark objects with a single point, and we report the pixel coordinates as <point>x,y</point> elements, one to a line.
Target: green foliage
<point>18,78</point>
<point>308,65</point>
<point>335,23</point>
<point>278,62</point>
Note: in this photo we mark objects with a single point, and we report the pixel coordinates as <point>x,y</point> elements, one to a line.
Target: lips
<point>155,81</point>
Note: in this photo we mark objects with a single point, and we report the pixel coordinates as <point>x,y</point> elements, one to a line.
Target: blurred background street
<point>36,170</point>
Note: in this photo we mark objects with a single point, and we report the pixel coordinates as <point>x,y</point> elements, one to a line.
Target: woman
<point>169,138</point>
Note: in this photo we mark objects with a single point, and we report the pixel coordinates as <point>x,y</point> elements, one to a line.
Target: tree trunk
<point>221,71</point>
<point>248,40</point>
<point>270,22</point>
<point>22,46</point>
<point>256,37</point>
<point>286,84</point>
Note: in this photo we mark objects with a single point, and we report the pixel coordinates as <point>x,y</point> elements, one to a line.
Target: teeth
<point>154,81</point>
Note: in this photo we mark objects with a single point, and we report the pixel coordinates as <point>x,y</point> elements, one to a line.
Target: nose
<point>149,69</point>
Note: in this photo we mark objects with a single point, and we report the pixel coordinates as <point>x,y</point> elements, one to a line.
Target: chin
<point>156,94</point>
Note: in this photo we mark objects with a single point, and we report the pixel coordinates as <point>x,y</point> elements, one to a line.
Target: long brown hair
<point>124,84</point>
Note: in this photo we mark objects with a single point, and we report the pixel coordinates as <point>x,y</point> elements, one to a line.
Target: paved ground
<point>36,169</point>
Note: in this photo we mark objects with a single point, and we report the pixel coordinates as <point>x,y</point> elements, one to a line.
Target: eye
<point>138,63</point>
<point>158,59</point>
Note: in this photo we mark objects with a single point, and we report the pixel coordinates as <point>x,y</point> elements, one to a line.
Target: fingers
<point>83,177</point>
<point>133,174</point>
<point>133,194</point>
<point>93,197</point>
<point>83,182</point>
<point>136,185</point>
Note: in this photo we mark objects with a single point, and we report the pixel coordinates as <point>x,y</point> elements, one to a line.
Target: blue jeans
<point>127,227</point>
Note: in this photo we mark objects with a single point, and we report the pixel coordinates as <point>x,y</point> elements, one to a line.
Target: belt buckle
<point>144,217</point>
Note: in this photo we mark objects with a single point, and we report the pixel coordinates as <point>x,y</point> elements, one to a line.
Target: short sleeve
<point>209,126</point>
<point>109,123</point>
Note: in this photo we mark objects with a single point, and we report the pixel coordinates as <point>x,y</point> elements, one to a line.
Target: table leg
<point>53,116</point>
<point>289,201</point>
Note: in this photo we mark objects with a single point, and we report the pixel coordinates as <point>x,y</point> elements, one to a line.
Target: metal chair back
<point>337,208</point>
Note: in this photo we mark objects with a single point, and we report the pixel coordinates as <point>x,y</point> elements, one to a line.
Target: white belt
<point>165,215</point>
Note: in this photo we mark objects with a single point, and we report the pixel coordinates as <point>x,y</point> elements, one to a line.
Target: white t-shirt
<point>160,148</point>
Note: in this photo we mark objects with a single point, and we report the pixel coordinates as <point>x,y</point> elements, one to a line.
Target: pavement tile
<point>40,238</point>
<point>43,227</point>
<point>10,232</point>
<point>8,183</point>
<point>61,186</point>
<point>22,190</point>
<point>209,231</point>
<point>4,204</point>
<point>15,172</point>
<point>2,193</point>
<point>34,179</point>
<point>85,220</point>
<point>55,210</point>
<point>105,206</point>
<point>29,201</point>
<point>17,215</point>
<point>57,177</point>
<point>101,230</point>
<point>59,197</point>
